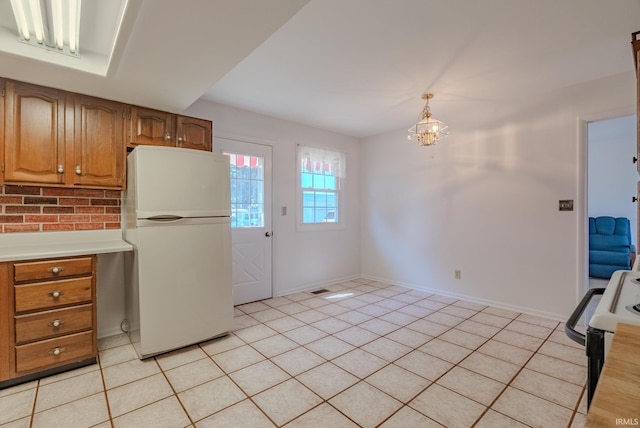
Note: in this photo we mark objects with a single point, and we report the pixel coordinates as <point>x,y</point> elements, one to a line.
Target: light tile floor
<point>380,355</point>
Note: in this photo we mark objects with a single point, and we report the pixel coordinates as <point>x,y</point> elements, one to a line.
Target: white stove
<point>620,302</point>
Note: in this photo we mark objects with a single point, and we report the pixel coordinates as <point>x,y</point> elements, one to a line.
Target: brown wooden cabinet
<point>34,139</point>
<point>53,137</point>
<point>159,128</point>
<point>150,127</point>
<point>193,133</point>
<point>99,153</point>
<point>48,314</point>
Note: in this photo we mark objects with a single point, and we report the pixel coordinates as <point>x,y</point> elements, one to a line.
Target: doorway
<point>611,175</point>
<point>251,223</point>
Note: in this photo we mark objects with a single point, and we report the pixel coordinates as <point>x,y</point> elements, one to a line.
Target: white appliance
<point>177,210</point>
<point>619,303</point>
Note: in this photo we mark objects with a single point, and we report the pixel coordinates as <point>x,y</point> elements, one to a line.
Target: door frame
<point>274,197</point>
<point>582,241</point>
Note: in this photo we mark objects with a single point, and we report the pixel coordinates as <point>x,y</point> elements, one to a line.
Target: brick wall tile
<point>34,209</point>
<point>11,228</point>
<point>11,219</point>
<point>104,201</point>
<point>57,191</point>
<point>89,193</point>
<point>10,200</point>
<point>104,218</point>
<point>57,227</point>
<point>89,226</point>
<point>74,218</point>
<point>113,194</point>
<point>90,210</point>
<point>40,218</point>
<point>74,201</point>
<point>22,209</point>
<point>57,210</point>
<point>21,190</point>
<point>29,200</point>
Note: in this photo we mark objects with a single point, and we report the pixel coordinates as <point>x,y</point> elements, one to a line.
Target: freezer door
<point>184,284</point>
<point>182,182</point>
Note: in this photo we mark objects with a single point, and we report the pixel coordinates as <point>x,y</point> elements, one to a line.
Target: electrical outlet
<point>457,273</point>
<point>284,210</point>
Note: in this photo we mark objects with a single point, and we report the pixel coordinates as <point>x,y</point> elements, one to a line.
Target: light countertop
<point>617,397</point>
<point>37,245</point>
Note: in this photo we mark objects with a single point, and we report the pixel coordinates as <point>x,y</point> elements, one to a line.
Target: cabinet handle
<point>167,137</point>
<point>78,170</point>
<point>56,294</point>
<point>57,351</point>
<point>60,169</point>
<point>56,269</point>
<point>56,323</point>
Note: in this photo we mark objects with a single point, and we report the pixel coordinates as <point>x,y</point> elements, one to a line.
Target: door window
<point>247,190</point>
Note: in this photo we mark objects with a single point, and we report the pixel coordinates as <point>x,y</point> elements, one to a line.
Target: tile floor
<point>372,355</point>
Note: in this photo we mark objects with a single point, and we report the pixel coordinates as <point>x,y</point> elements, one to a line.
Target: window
<point>247,191</point>
<point>321,173</point>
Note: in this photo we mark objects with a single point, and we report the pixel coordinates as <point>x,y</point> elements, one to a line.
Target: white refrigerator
<point>177,212</point>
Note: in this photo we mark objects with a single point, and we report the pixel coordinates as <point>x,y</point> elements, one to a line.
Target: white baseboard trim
<point>107,332</point>
<point>310,287</point>
<point>501,305</point>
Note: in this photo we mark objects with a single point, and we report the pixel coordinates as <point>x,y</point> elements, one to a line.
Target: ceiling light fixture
<point>427,131</point>
<point>50,24</point>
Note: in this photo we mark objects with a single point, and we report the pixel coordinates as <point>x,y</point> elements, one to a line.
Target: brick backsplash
<point>45,209</point>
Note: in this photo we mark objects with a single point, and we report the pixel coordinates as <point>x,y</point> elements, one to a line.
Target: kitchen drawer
<point>53,294</point>
<point>44,325</point>
<point>51,269</point>
<point>53,352</point>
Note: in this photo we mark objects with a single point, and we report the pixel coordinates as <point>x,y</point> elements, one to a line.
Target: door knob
<point>634,199</point>
<point>635,159</point>
<point>267,234</point>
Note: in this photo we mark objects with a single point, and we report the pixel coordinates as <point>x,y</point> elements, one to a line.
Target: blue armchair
<point>610,247</point>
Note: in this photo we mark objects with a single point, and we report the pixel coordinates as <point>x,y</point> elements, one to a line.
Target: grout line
<point>412,348</point>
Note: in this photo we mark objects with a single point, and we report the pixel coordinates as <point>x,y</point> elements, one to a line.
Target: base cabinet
<point>48,314</point>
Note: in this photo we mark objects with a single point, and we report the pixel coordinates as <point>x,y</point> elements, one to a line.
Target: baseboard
<point>107,332</point>
<point>310,287</point>
<point>473,299</point>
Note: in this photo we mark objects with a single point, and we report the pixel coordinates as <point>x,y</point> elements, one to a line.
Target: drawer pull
<point>56,323</point>
<point>56,269</point>
<point>56,351</point>
<point>56,294</point>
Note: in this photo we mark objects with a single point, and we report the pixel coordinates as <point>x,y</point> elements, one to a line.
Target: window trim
<point>340,185</point>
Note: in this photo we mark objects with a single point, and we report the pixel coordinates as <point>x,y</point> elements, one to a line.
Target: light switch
<point>284,210</point>
<point>566,205</point>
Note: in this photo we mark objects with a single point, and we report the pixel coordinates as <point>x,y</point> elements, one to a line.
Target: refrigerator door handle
<point>165,218</point>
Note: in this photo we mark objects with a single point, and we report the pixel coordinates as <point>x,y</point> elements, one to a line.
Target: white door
<point>250,218</point>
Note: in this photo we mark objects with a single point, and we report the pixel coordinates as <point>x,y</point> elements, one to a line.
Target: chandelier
<point>427,131</point>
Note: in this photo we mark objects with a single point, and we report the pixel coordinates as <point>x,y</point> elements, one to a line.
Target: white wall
<point>301,260</point>
<point>485,201</point>
<point>612,177</point>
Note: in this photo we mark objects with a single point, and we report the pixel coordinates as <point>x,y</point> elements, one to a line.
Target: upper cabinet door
<point>151,127</point>
<point>34,140</point>
<point>99,150</point>
<point>193,133</point>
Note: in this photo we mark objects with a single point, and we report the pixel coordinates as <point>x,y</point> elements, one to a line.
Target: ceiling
<point>357,67</point>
